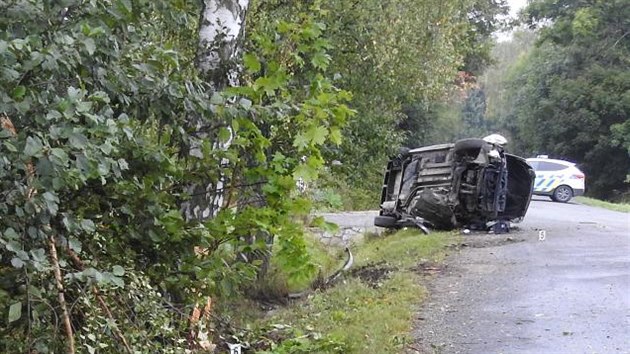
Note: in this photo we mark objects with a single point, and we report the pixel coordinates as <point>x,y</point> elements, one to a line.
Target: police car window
<point>549,166</point>
<point>534,164</point>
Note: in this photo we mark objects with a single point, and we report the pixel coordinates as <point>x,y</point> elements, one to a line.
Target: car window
<point>534,164</point>
<point>549,166</point>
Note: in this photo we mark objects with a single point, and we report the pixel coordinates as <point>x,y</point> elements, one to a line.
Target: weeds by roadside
<point>369,310</point>
<point>622,207</point>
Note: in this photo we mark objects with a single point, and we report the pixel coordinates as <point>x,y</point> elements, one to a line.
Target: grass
<point>366,316</point>
<point>622,207</point>
<point>325,258</point>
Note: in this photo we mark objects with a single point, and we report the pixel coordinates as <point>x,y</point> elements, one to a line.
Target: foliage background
<point>108,124</point>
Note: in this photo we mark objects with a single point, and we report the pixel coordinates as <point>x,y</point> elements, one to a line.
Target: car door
<point>547,176</point>
<point>520,184</point>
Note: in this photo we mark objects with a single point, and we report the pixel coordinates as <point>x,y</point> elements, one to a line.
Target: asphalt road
<point>565,290</point>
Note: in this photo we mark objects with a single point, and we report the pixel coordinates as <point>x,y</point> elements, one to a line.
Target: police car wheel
<point>562,194</point>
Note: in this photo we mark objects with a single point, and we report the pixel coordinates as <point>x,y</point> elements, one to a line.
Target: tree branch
<point>60,293</point>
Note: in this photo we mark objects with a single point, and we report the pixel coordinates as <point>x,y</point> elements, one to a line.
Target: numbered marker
<point>542,235</point>
<point>234,348</point>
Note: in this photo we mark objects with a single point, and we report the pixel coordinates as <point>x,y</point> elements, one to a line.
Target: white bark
<point>220,32</point>
<point>221,28</point>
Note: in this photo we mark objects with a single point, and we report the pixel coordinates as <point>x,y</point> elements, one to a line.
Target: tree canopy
<point>570,95</point>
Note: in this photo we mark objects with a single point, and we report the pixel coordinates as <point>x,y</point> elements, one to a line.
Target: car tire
<point>403,151</point>
<point>385,221</point>
<point>562,194</point>
<point>468,146</point>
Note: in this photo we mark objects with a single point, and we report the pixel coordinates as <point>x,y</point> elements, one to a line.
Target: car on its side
<point>558,179</point>
<point>471,183</point>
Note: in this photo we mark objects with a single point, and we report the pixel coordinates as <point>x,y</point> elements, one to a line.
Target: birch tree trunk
<point>220,32</point>
<point>221,29</point>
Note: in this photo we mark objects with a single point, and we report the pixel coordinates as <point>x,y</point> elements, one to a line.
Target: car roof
<point>562,162</point>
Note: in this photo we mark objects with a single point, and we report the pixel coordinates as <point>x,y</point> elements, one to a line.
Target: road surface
<point>558,284</point>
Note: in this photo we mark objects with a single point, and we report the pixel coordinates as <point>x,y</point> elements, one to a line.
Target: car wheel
<point>562,194</point>
<point>385,221</point>
<point>467,147</point>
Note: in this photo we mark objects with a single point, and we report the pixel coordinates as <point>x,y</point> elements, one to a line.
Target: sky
<point>515,6</point>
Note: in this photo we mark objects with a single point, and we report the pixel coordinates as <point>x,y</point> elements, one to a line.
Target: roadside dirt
<point>373,274</point>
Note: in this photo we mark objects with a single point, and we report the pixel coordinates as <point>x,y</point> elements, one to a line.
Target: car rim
<point>563,193</point>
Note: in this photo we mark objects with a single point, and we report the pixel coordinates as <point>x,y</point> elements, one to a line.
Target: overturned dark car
<point>472,183</point>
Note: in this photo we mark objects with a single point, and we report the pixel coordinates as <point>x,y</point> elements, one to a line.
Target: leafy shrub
<point>108,134</point>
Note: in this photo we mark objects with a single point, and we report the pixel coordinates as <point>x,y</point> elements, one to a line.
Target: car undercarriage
<point>472,183</point>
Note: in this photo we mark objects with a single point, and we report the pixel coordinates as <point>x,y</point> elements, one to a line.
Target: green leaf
<point>317,134</point>
<point>11,234</point>
<point>126,5</point>
<point>116,281</point>
<point>251,62</point>
<point>38,255</point>
<point>321,223</point>
<point>78,141</point>
<point>83,106</point>
<point>15,312</point>
<point>321,60</point>
<point>245,103</point>
<point>267,84</point>
<point>52,202</point>
<point>60,156</point>
<point>74,244</point>
<point>74,93</point>
<point>33,146</point>
<point>53,114</point>
<point>300,141</point>
<point>123,164</point>
<point>305,172</point>
<point>90,46</point>
<point>18,92</point>
<point>22,255</point>
<point>118,271</point>
<point>217,99</point>
<point>17,263</point>
<point>88,225</point>
<point>335,136</point>
<point>10,146</point>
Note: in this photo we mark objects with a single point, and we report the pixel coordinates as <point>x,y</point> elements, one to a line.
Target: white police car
<point>558,179</point>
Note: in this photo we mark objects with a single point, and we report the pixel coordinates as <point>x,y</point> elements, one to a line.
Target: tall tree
<point>570,95</point>
<point>395,57</point>
<point>221,36</point>
<point>221,33</point>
